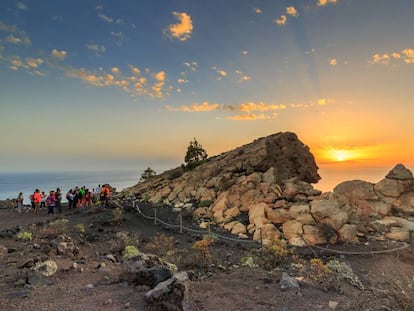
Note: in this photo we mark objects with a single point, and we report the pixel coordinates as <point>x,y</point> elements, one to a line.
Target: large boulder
<point>405,204</point>
<point>171,294</point>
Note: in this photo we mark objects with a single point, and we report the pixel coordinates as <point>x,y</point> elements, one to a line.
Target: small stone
<point>287,282</point>
<point>127,305</point>
<point>90,286</point>
<point>332,304</point>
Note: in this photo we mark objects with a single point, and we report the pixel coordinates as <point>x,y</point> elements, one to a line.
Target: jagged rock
<point>356,190</point>
<point>171,294</point>
<point>47,268</point>
<point>302,214</point>
<point>287,282</point>
<point>239,229</point>
<point>398,234</point>
<point>348,233</point>
<point>146,269</point>
<point>313,235</point>
<point>66,246</point>
<point>400,172</point>
<point>266,233</point>
<point>388,187</point>
<point>280,156</point>
<point>3,251</point>
<point>405,204</point>
<point>257,211</point>
<point>277,216</point>
<point>329,212</point>
<point>292,229</point>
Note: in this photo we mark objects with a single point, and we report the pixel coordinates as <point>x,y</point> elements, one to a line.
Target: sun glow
<point>342,154</point>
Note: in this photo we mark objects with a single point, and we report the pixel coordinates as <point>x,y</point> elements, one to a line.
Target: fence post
<point>412,241</point>
<point>181,223</point>
<point>261,238</point>
<point>209,229</point>
<point>133,204</point>
<point>155,215</point>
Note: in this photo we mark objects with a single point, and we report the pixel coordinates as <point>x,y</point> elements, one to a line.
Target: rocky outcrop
<point>264,190</point>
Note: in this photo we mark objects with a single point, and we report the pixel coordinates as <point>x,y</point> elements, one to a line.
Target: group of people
<point>82,197</point>
<point>77,198</point>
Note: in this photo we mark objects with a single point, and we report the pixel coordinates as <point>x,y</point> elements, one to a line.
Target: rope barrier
<point>219,236</point>
<point>189,229</point>
<point>361,253</point>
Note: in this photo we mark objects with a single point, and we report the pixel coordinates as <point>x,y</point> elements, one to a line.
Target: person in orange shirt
<point>37,198</point>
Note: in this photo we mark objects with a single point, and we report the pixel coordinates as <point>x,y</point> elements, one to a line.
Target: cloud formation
<point>249,110</point>
<point>16,36</point>
<point>182,30</point>
<point>333,62</point>
<point>59,55</point>
<point>406,56</point>
<point>135,83</point>
<point>290,10</point>
<point>281,21</point>
<point>98,49</point>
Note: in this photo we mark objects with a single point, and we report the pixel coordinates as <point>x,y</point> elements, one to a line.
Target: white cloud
<point>183,29</point>
<point>59,55</point>
<point>34,62</point>
<point>258,10</point>
<point>21,6</point>
<point>98,49</point>
<point>245,52</point>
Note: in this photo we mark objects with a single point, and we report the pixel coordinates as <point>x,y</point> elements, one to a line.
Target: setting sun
<point>342,154</point>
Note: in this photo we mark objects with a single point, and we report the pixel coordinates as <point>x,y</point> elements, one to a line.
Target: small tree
<point>195,154</point>
<point>147,174</point>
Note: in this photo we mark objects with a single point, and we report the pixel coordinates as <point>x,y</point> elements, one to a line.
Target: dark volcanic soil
<point>218,282</point>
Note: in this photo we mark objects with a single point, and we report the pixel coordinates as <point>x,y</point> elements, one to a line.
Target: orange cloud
<point>324,2</point>
<point>290,10</point>
<point>281,21</point>
<point>406,55</point>
<point>248,117</point>
<point>181,30</point>
<point>204,107</point>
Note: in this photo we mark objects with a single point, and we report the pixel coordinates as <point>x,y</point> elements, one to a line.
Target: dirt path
<point>224,285</point>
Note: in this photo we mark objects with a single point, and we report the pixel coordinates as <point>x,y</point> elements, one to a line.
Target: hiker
<point>32,204</point>
<point>19,202</point>
<point>51,203</point>
<point>43,202</point>
<point>88,198</point>
<point>37,198</point>
<point>58,196</point>
<point>70,196</point>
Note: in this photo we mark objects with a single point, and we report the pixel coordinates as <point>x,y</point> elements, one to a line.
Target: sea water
<point>11,184</point>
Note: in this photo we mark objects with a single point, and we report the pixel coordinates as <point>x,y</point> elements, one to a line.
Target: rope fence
<point>183,228</point>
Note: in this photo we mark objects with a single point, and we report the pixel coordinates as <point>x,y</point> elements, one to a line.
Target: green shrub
<point>205,203</point>
<point>25,236</point>
<point>129,251</point>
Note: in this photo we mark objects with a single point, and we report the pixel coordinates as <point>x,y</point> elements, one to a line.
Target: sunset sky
<point>127,84</point>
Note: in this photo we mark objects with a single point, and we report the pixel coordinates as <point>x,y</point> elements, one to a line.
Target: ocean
<point>13,183</point>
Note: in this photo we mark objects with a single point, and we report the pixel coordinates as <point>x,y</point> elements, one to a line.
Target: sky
<point>128,84</point>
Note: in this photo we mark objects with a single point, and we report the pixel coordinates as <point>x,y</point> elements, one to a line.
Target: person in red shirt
<point>37,198</point>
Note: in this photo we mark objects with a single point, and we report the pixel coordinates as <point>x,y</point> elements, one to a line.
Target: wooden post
<point>261,238</point>
<point>181,223</point>
<point>155,215</point>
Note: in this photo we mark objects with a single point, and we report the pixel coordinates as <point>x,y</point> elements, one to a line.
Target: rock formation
<point>264,190</point>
